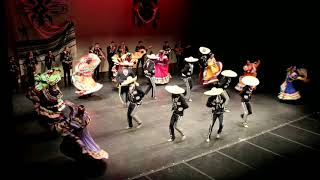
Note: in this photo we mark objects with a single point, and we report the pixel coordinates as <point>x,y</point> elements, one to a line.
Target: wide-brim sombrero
<point>152,56</point>
<point>214,91</point>
<point>126,63</point>
<point>129,80</point>
<point>229,73</point>
<point>191,59</point>
<point>174,89</point>
<point>89,57</point>
<point>204,50</point>
<point>250,80</point>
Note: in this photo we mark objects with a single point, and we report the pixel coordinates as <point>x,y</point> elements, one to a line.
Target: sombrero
<point>229,73</point>
<point>204,50</point>
<point>126,63</point>
<point>129,80</point>
<point>174,89</point>
<point>214,91</point>
<point>152,56</point>
<point>250,81</point>
<point>191,59</point>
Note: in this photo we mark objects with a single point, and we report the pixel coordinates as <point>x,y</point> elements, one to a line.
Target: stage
<point>282,139</point>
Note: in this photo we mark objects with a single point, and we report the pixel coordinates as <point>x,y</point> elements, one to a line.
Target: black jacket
<point>136,95</point>
<point>49,59</point>
<point>150,67</point>
<point>31,63</point>
<point>121,77</point>
<point>216,103</point>
<point>98,52</point>
<point>111,51</point>
<point>246,94</point>
<point>187,70</point>
<point>139,47</point>
<point>224,82</point>
<point>203,61</point>
<point>179,104</point>
<point>65,57</point>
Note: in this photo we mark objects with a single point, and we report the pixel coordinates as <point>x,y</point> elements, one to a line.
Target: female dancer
<point>51,108</point>
<point>211,71</point>
<point>287,89</point>
<point>162,75</point>
<point>250,69</point>
<point>82,77</point>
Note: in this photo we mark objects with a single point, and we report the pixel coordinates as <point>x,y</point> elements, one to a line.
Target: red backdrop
<point>114,18</point>
<point>105,20</point>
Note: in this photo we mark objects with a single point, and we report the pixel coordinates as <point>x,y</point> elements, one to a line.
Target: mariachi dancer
<point>124,72</point>
<point>250,83</point>
<point>82,77</point>
<point>178,107</point>
<point>216,102</point>
<point>250,69</point>
<point>135,96</point>
<point>187,72</point>
<point>77,143</point>
<point>224,83</point>
<point>287,90</point>
<point>149,71</point>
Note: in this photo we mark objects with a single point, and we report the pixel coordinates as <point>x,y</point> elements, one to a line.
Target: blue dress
<point>287,90</point>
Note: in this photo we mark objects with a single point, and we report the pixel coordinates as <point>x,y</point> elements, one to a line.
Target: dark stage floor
<point>282,140</point>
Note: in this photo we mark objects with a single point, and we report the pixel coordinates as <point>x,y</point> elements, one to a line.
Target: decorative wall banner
<point>43,25</point>
<point>145,12</point>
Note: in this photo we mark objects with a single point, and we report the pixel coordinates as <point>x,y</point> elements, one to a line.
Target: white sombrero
<point>126,63</point>
<point>191,59</point>
<point>129,80</point>
<point>152,56</point>
<point>204,50</point>
<point>250,81</point>
<point>214,91</point>
<point>174,89</point>
<point>229,73</point>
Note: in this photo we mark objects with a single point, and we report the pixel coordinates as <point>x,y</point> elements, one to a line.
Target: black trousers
<point>138,63</point>
<point>14,82</point>
<point>246,106</point>
<point>48,65</point>
<point>30,77</point>
<point>188,83</point>
<point>247,110</point>
<point>151,85</point>
<point>111,64</point>
<point>173,125</point>
<point>179,63</point>
<point>66,74</point>
<point>124,93</point>
<point>214,118</point>
<point>97,73</point>
<point>131,114</point>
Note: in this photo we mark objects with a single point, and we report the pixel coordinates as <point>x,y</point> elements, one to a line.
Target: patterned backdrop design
<point>43,25</point>
<point>145,12</point>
